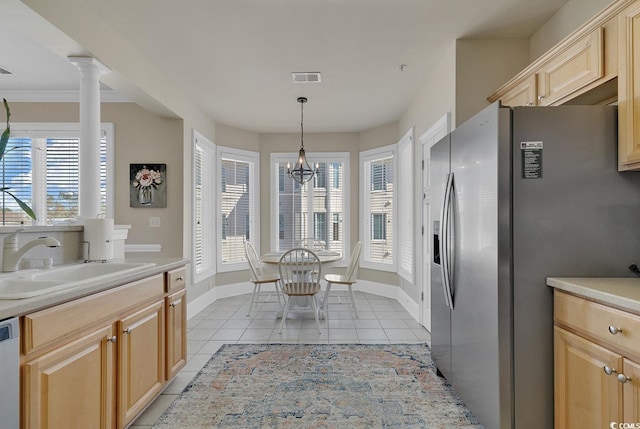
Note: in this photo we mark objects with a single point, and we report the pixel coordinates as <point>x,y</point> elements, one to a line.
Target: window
<point>304,211</point>
<point>335,227</point>
<point>41,166</point>
<point>378,208</point>
<point>405,207</point>
<point>379,225</point>
<point>238,206</point>
<point>320,227</point>
<point>204,162</point>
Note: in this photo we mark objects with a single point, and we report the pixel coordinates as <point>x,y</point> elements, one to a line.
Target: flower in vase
<point>146,178</point>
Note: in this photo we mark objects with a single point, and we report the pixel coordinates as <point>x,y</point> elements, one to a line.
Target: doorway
<point>428,139</point>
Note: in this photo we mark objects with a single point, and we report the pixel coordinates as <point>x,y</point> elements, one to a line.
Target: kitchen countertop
<point>621,292</point>
<point>19,307</point>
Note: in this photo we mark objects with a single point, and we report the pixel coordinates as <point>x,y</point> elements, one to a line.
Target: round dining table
<point>325,256</point>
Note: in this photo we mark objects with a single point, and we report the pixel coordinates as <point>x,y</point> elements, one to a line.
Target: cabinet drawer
<point>46,326</point>
<point>176,279</point>
<point>595,321</point>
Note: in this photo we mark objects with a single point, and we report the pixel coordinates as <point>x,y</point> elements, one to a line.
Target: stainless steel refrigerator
<point>519,195</point>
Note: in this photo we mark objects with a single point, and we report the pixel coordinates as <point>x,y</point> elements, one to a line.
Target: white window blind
<point>204,245</point>
<point>405,198</point>
<point>41,167</point>
<point>318,209</point>
<point>238,202</point>
<point>378,208</point>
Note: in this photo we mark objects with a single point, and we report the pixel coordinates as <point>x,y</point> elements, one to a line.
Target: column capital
<point>89,63</point>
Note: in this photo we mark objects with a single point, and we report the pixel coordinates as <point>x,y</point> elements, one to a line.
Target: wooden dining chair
<point>348,278</point>
<point>259,276</point>
<point>300,273</point>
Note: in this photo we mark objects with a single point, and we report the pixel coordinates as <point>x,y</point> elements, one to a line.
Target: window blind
<point>405,208</point>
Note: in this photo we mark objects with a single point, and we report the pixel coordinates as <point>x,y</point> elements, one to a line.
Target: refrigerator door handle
<point>450,240</point>
<point>445,241</point>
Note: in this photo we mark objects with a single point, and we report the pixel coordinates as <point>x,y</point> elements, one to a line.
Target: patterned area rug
<point>318,386</point>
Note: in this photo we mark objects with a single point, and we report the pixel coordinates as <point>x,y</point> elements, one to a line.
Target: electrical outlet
<point>154,222</point>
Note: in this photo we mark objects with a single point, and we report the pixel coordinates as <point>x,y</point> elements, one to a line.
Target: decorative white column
<point>89,146</point>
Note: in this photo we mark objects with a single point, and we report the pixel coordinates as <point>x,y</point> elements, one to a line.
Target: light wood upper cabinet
<point>576,66</point>
<point>524,93</point>
<point>579,65</point>
<point>71,386</point>
<point>628,89</point>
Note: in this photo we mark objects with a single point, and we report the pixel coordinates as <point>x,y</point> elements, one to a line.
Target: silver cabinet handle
<point>608,370</point>
<point>127,331</point>
<point>540,97</point>
<point>180,279</point>
<point>530,103</point>
<point>173,304</point>
<point>614,330</point>
<point>112,339</point>
<point>623,378</point>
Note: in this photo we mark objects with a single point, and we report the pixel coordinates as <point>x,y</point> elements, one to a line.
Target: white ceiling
<point>234,58</point>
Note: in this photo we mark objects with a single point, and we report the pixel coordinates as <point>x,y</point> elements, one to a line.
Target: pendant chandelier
<point>302,171</point>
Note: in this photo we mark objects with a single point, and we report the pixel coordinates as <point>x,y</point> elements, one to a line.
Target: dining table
<point>325,257</point>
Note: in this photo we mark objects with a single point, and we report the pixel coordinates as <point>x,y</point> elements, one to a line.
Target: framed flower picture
<point>147,185</point>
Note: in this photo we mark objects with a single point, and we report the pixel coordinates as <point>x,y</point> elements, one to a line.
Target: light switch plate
<point>154,221</point>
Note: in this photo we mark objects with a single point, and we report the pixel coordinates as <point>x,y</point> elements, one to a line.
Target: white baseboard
<point>380,289</point>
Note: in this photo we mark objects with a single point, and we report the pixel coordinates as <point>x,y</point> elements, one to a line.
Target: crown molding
<point>59,96</point>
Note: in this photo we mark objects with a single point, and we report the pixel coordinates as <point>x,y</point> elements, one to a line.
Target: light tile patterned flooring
<point>381,321</point>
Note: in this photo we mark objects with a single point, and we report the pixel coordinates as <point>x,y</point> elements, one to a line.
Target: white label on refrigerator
<point>531,159</point>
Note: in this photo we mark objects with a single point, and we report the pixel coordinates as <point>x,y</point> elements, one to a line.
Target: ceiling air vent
<point>4,71</point>
<point>306,77</point>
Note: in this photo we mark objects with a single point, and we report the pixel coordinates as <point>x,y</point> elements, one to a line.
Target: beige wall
<point>140,136</point>
<point>482,66</point>
<point>572,15</point>
<point>436,97</point>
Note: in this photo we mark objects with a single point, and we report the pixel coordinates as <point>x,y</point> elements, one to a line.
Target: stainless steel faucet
<point>11,254</point>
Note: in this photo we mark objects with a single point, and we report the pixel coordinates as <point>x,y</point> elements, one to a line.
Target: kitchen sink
<point>30,283</point>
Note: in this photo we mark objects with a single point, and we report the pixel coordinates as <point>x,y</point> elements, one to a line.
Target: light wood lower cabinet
<point>176,332</point>
<point>596,374</point>
<point>97,362</point>
<point>585,396</point>
<point>72,386</point>
<point>141,355</point>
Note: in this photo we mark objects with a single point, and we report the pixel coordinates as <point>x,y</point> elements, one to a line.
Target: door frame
<point>423,194</point>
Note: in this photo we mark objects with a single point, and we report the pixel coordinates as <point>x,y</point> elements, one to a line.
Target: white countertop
<point>621,292</point>
<point>19,307</point>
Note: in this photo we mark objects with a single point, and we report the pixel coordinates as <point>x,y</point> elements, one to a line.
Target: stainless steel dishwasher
<point>9,374</point>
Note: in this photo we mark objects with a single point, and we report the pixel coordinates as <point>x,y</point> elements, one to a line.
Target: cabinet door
<point>176,332</point>
<point>585,395</point>
<point>72,386</point>
<point>581,64</point>
<point>629,88</point>
<point>523,94</point>
<point>141,360</point>
<point>631,391</point>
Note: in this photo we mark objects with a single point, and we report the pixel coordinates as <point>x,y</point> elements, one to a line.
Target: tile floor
<point>381,321</point>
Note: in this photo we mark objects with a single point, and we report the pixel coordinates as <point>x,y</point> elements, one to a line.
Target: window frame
<point>208,267</point>
<point>366,223</point>
<point>254,203</point>
<point>277,158</point>
<point>40,130</point>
